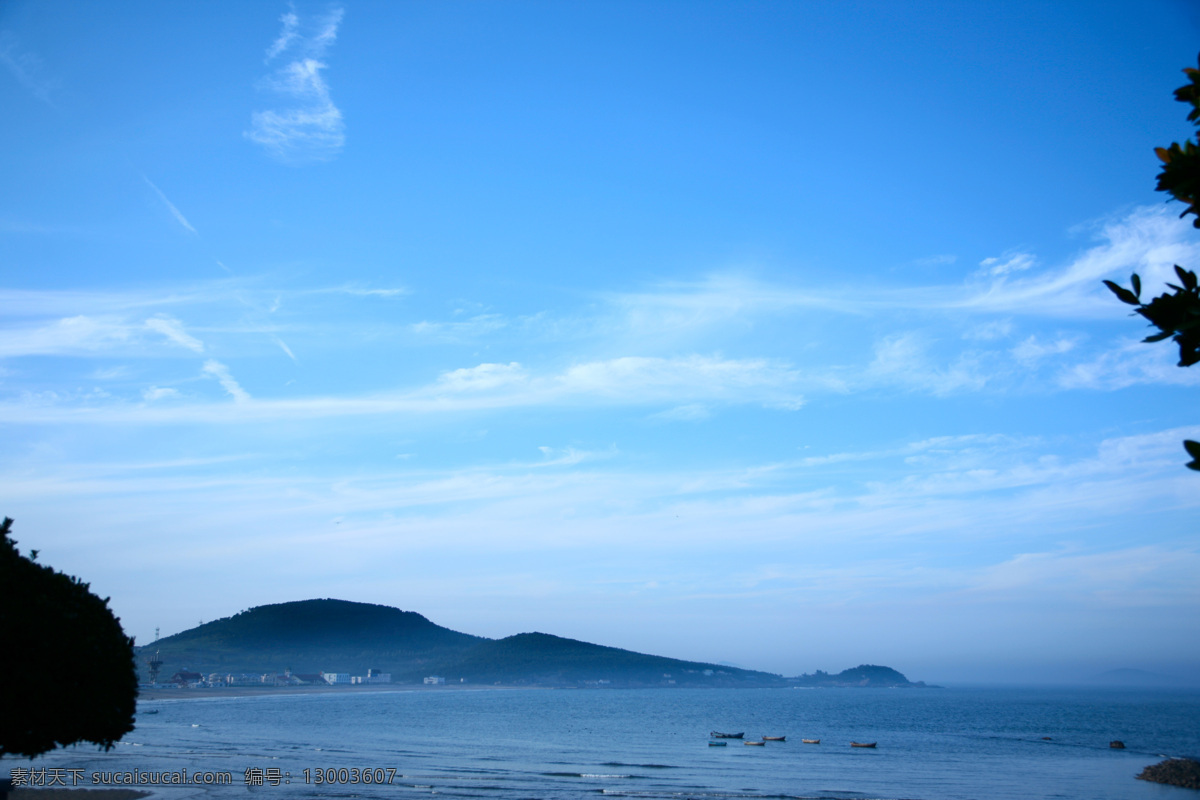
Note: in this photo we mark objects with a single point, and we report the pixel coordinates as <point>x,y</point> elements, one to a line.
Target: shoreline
<point>149,694</point>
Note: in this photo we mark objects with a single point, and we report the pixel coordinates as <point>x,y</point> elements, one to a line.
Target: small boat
<point>863,744</point>
<point>718,744</point>
<point>774,738</point>
<point>811,741</point>
<point>719,735</point>
<point>755,744</point>
<point>150,711</point>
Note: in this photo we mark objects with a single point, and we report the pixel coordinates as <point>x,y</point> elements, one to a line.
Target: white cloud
<point>311,127</point>
<point>289,33</point>
<point>643,379</point>
<point>692,412</point>
<point>219,371</point>
<point>626,381</point>
<point>477,326</point>
<point>1011,262</point>
<point>1031,350</point>
<point>989,331</point>
<point>903,360</point>
<point>566,457</point>
<point>1129,363</point>
<point>159,393</point>
<point>372,292</point>
<point>111,373</point>
<point>315,132</point>
<point>1147,240</point>
<point>482,378</point>
<point>70,335</point>
<point>173,330</point>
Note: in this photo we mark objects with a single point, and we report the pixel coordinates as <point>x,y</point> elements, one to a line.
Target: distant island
<point>864,675</point>
<point>337,641</point>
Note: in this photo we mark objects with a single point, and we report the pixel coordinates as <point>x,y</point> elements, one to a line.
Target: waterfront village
<point>185,679</point>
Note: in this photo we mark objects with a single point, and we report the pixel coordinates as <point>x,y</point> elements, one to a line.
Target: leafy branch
<point>1176,314</point>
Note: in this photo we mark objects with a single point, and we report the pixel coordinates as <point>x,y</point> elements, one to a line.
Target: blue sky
<point>768,333</point>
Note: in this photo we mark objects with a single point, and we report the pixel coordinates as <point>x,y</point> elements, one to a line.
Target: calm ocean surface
<point>937,744</point>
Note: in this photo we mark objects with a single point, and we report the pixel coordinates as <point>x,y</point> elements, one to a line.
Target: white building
<point>336,677</point>
<point>373,676</point>
<point>434,680</point>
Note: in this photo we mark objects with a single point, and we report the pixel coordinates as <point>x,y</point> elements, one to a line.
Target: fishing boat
<point>811,741</point>
<point>774,738</point>
<point>719,735</point>
<point>755,744</point>
<point>718,744</point>
<point>863,744</point>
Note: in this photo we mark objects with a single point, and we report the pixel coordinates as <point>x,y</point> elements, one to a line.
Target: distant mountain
<point>311,636</point>
<point>864,675</point>
<point>539,658</point>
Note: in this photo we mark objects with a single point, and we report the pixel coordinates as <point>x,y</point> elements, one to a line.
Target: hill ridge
<point>343,636</point>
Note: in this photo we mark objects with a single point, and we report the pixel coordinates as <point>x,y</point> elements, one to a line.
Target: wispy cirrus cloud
<point>615,382</point>
<point>903,360</point>
<point>75,335</point>
<point>287,350</point>
<point>155,393</point>
<point>1148,240</point>
<point>309,127</point>
<point>173,330</point>
<point>175,212</point>
<point>1130,363</point>
<point>216,369</point>
<point>26,67</point>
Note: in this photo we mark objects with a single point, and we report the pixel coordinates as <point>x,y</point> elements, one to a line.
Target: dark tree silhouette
<point>1176,314</point>
<point>67,673</point>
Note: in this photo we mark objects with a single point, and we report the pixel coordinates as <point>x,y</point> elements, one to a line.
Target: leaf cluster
<point>1180,174</point>
<point>1177,316</point>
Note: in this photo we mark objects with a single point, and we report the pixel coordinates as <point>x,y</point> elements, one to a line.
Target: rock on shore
<point>1174,771</point>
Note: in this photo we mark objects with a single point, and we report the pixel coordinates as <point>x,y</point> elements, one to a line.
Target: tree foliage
<point>1180,174</point>
<point>1176,314</point>
<point>67,674</point>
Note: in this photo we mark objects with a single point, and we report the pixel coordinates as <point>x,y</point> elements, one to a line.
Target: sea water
<point>932,744</point>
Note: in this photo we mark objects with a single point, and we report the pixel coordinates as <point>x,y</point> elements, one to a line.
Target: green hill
<point>542,659</point>
<point>311,636</point>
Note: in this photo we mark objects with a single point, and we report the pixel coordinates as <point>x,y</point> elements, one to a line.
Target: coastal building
<point>185,678</point>
<point>243,679</point>
<point>434,680</point>
<point>373,676</point>
<point>333,678</point>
